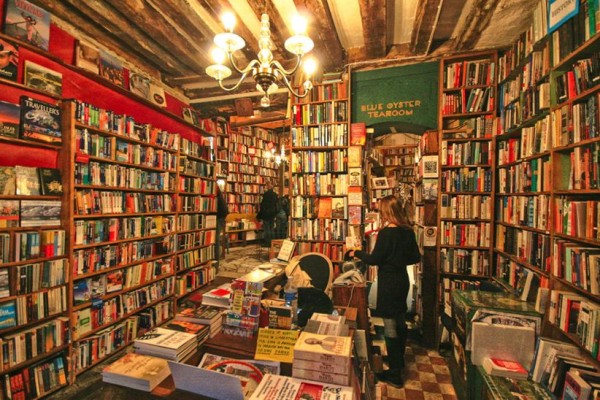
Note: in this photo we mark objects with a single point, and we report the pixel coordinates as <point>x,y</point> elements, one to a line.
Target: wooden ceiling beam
<point>476,22</point>
<point>374,29</point>
<point>424,26</point>
<point>328,49</point>
<point>107,30</point>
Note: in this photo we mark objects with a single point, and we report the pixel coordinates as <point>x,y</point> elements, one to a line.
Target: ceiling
<point>171,39</point>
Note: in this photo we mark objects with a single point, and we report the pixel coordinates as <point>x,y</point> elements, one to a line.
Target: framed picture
<point>43,79</point>
<point>430,166</point>
<point>380,183</point>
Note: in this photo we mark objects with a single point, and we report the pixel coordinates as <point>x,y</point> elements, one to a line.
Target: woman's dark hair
<point>392,211</point>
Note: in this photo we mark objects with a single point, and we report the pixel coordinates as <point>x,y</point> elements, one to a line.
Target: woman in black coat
<point>395,248</point>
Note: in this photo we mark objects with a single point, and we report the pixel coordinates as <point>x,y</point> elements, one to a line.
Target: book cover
<point>98,286</point>
<point>9,213</point>
<point>576,388</point>
<point>277,387</point>
<point>83,321</point>
<point>40,121</point>
<point>430,189</point>
<point>43,79</point>
<point>202,314</point>
<point>199,330</point>
<point>430,166</point>
<point>325,204</point>
<point>355,176</point>
<point>139,84</point>
<point>137,371</point>
<point>40,213</point>
<point>8,314</point>
<point>217,297</point>
<point>358,134</point>
<point>10,119</point>
<point>338,207</point>
<point>87,56</point>
<point>506,368</point>
<point>82,292</point>
<point>111,68</point>
<point>156,94</point>
<point>326,348</point>
<point>9,60</point>
<point>354,215</point>
<point>355,196</point>
<point>8,181</point>
<point>4,283</point>
<point>50,182</point>
<point>27,22</point>
<point>169,340</point>
<point>114,281</point>
<point>325,377</point>
<point>354,156</point>
<point>27,181</point>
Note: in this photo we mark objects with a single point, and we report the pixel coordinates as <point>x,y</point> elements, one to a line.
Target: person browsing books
<point>267,212</point>
<point>395,249</point>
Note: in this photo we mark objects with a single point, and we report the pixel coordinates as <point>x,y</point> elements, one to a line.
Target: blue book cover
<point>8,315</point>
<point>27,22</point>
<point>40,121</point>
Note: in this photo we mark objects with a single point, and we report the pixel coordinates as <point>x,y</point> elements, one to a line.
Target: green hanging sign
<point>406,94</point>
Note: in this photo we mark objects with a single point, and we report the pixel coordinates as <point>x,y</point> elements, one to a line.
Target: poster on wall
<point>27,22</point>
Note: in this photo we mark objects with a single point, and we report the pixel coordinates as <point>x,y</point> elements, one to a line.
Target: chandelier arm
<point>239,82</point>
<point>278,66</point>
<point>291,89</point>
<point>248,68</point>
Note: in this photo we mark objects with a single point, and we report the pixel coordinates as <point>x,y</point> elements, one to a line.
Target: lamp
<point>267,72</point>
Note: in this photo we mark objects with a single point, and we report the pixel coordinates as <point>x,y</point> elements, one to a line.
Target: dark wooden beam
<point>424,26</point>
<point>478,20</point>
<point>328,48</point>
<point>129,46</point>
<point>374,30</point>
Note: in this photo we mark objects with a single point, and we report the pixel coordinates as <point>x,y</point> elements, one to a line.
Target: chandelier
<point>267,72</point>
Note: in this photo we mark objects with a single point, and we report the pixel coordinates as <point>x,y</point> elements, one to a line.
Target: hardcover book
<point>111,68</point>
<point>354,156</point>
<point>10,119</point>
<point>358,134</point>
<point>82,292</point>
<point>50,182</point>
<point>324,348</point>
<point>338,207</point>
<point>137,371</point>
<point>87,56</point>
<point>277,387</point>
<point>156,95</point>
<point>27,22</point>
<point>9,60</point>
<point>40,213</point>
<point>9,213</point>
<point>40,121</point>
<point>8,181</point>
<point>354,215</point>
<point>139,84</point>
<point>355,176</point>
<point>43,79</point>
<point>8,315</point>
<point>506,368</point>
<point>201,315</point>
<point>167,342</point>
<point>27,181</point>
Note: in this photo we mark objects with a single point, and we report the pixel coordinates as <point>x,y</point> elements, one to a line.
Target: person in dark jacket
<point>222,212</point>
<point>267,212</point>
<point>395,248</point>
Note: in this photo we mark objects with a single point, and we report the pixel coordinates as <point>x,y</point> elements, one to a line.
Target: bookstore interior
<point>124,193</point>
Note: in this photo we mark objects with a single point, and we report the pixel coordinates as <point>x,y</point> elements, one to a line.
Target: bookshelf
<point>465,209</point>
<point>319,170</point>
<point>34,265</point>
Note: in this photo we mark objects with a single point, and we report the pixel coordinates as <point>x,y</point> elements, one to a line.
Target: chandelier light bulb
<point>299,25</point>
<point>310,66</point>
<point>265,102</point>
<point>218,55</point>
<point>277,159</point>
<point>228,20</point>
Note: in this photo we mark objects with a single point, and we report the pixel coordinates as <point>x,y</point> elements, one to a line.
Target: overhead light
<point>268,73</point>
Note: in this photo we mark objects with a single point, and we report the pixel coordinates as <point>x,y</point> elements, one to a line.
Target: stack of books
<point>506,368</point>
<point>243,315</point>
<point>137,371</point>
<point>200,330</point>
<point>276,387</point>
<point>166,343</point>
<point>218,297</point>
<point>327,324</point>
<point>323,358</point>
<point>205,315</point>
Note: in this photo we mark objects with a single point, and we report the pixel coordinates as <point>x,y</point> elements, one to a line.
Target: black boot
<point>395,358</point>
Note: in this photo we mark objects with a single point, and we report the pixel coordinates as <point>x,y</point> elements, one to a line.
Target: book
<point>4,283</point>
<point>355,176</point>
<point>325,204</point>
<point>40,121</point>
<point>114,281</point>
<point>278,387</point>
<point>201,315</point>
<point>324,348</point>
<point>358,134</point>
<point>355,196</point>
<point>354,156</point>
<point>40,213</point>
<point>9,60</point>
<point>9,213</point>
<point>139,84</point>
<point>167,343</point>
<point>354,215</point>
<point>576,388</point>
<point>82,292</point>
<point>8,314</point>
<point>338,207</point>
<point>156,94</point>
<point>506,368</point>
<point>8,181</point>
<point>111,68</point>
<point>27,22</point>
<point>200,330</point>
<point>27,181</point>
<point>545,348</point>
<point>10,119</point>
<point>87,56</point>
<point>50,182</point>
<point>137,371</point>
<point>217,297</point>
<point>42,78</point>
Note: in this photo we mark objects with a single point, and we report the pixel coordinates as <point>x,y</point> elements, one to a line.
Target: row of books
<point>575,122</point>
<point>467,179</point>
<point>577,265</point>
<point>474,127</point>
<point>194,258</point>
<point>465,234</point>
<point>146,156</point>
<point>196,185</point>
<point>319,161</point>
<point>33,307</point>
<point>29,278</point>
<point>202,149</point>
<point>252,170</point>
<point>574,32</point>
<point>528,246</point>
<point>195,167</point>
<point>330,112</point>
<point>333,251</point>
<point>110,229</point>
<point>107,120</point>
<point>325,184</point>
<point>29,245</point>
<point>194,279</point>
<point>533,140</point>
<point>577,218</point>
<point>90,202</point>
<point>318,229</point>
<point>37,380</point>
<point>579,168</point>
<point>331,89</point>
<point>469,73</point>
<point>250,158</point>
<point>528,211</point>
<point>193,204</point>
<point>466,206</point>
<point>468,101</point>
<point>322,135</point>
<point>120,176</point>
<point>320,207</point>
<point>29,213</point>
<point>30,181</point>
<point>524,281</point>
<point>468,153</point>
<point>252,135</point>
<point>462,261</point>
<point>526,176</point>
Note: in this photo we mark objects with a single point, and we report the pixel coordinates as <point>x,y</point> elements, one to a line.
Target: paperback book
<point>50,182</point>
<point>166,343</point>
<point>8,182</point>
<point>40,213</point>
<point>10,119</point>
<point>277,387</point>
<point>137,371</point>
<point>506,368</point>
<point>27,22</point>
<point>43,79</point>
<point>111,68</point>
<point>9,213</point>
<point>9,60</point>
<point>4,283</point>
<point>8,315</point>
<point>87,56</point>
<point>27,181</point>
<point>40,121</point>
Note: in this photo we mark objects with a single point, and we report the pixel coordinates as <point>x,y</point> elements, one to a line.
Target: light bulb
<point>228,20</point>
<point>299,25</point>
<point>265,102</point>
<point>310,66</point>
<point>218,55</point>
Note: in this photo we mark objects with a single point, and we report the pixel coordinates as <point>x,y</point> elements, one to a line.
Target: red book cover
<point>358,134</point>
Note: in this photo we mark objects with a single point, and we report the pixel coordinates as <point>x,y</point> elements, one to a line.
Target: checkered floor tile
<point>426,377</point>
